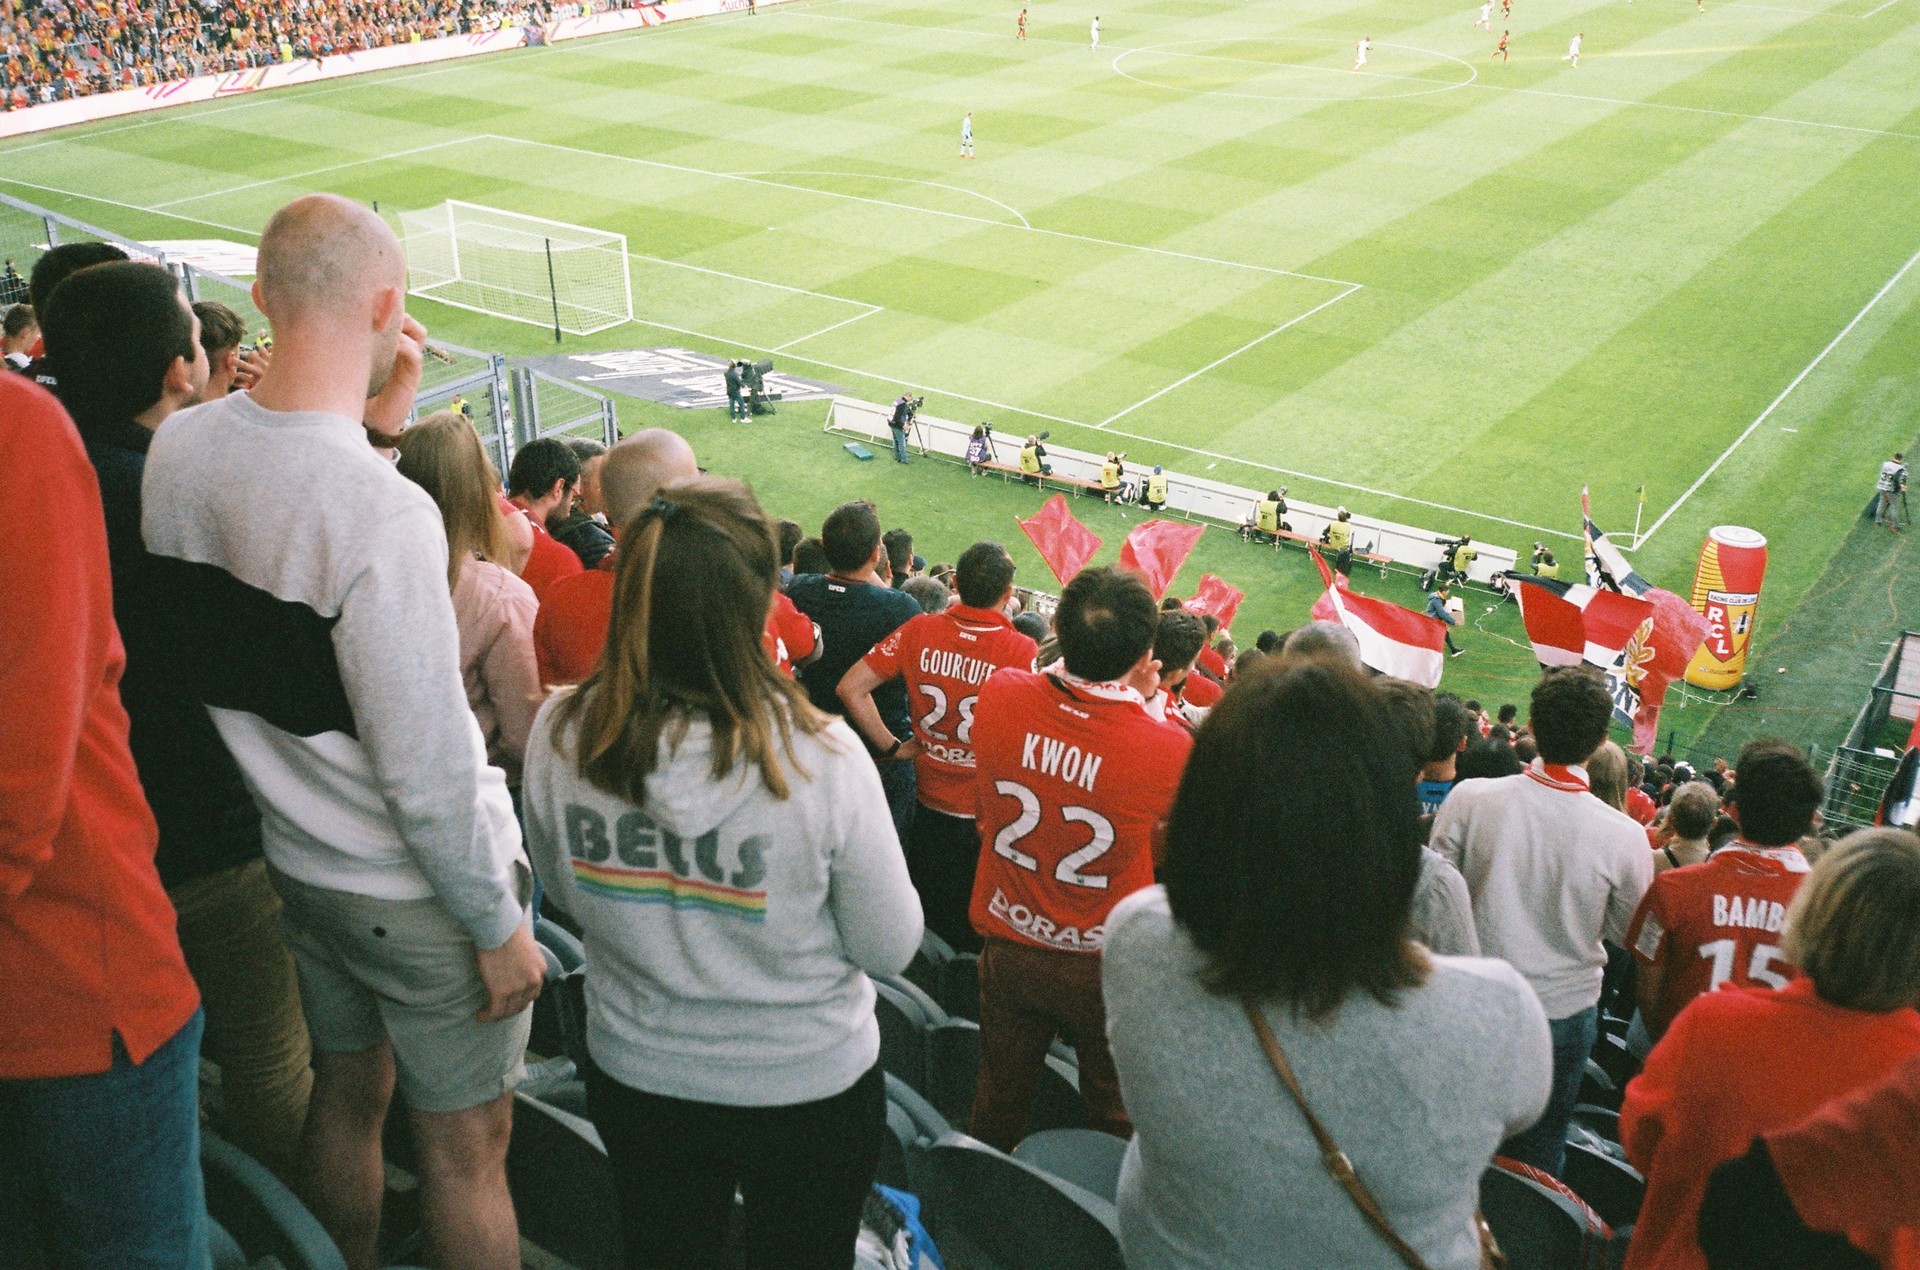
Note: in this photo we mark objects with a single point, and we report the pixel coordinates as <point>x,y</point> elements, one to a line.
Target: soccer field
<point>1445,289</point>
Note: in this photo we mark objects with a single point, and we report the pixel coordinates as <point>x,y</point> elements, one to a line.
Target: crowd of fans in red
<point>296,673</point>
<point>52,50</point>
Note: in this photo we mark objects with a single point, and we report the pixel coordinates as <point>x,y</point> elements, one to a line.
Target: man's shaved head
<point>636,469</point>
<point>323,254</point>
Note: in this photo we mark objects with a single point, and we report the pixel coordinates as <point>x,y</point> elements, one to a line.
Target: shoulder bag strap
<point>1336,1161</point>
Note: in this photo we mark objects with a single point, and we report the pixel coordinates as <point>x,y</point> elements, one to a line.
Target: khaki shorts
<point>374,971</point>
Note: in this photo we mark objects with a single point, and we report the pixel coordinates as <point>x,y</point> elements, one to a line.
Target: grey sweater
<point>1223,1173</point>
<point>305,585</point>
<point>729,933</point>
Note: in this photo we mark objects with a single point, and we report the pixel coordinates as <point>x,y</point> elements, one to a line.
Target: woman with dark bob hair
<point>1292,857</point>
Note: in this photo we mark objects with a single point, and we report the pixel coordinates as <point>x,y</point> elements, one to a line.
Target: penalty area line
<point>1786,392</point>
<point>1258,340</point>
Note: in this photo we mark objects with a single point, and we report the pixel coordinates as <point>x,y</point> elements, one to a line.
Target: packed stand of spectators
<point>53,50</point>
<point>314,707</point>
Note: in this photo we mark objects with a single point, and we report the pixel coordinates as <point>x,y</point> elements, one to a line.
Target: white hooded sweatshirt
<point>728,934</point>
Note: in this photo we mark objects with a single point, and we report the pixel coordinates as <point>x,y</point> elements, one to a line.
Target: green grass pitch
<point>1446,289</point>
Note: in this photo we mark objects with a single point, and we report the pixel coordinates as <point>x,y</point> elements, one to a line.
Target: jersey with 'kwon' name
<point>1072,779</point>
<point>944,658</point>
<point>1718,923</point>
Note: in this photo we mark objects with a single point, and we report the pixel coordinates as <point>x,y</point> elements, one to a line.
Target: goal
<point>570,278</point>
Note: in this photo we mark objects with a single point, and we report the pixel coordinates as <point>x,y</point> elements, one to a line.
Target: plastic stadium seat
<point>1612,1187</point>
<point>1602,1121</point>
<point>1088,1158</point>
<point>258,1214</point>
<point>911,1122</point>
<point>1541,1226</point>
<point>561,942</point>
<point>1610,1052</point>
<point>988,1211</point>
<point>930,963</point>
<point>562,1185</point>
<point>226,1250</point>
<point>959,993</point>
<point>953,1067</point>
<point>905,1013</point>
<point>1598,1089</point>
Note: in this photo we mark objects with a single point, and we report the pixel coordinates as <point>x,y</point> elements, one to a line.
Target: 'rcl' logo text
<point>639,843</point>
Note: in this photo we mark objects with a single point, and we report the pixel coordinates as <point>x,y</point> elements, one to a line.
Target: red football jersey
<point>1072,781</point>
<point>1198,690</point>
<point>1718,923</point>
<point>789,633</point>
<point>944,658</point>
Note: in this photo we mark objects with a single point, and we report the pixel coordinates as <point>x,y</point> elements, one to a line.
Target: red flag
<point>1157,549</point>
<point>1572,622</point>
<point>1657,656</point>
<point>1393,640</point>
<point>1063,542</point>
<point>1218,597</point>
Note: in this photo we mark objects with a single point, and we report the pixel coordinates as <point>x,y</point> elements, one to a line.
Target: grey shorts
<point>374,971</point>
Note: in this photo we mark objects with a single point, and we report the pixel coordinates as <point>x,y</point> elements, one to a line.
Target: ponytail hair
<point>691,592</point>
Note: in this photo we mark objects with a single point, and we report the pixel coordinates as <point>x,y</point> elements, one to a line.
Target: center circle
<point>1405,85</point>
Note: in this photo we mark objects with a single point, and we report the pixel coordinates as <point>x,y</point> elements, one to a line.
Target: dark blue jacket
<point>208,821</point>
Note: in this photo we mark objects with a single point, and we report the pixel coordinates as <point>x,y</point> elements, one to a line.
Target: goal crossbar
<point>571,278</point>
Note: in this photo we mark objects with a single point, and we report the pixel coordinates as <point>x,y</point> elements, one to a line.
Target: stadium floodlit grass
<point>1447,290</point>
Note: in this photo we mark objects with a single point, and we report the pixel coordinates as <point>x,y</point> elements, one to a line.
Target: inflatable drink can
<point>1726,591</point>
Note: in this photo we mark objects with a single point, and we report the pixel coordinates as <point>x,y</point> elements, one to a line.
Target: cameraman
<point>1461,558</point>
<point>901,417</point>
<point>736,401</point>
<point>1110,474</point>
<point>1890,485</point>
<point>1544,565</point>
<point>1033,464</point>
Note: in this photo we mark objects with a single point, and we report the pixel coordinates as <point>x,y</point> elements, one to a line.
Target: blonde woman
<point>1607,776</point>
<point>1742,1062</point>
<point>493,608</point>
<point>728,852</point>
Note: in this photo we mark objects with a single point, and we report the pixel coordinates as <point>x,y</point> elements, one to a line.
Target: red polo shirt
<point>87,941</point>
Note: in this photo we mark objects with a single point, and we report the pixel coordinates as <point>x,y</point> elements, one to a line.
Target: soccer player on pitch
<point>1096,33</point>
<point>1500,49</point>
<point>1073,782</point>
<point>1573,50</point>
<point>943,658</point>
<point>1022,31</point>
<point>966,136</point>
<point>1360,51</point>
<point>1485,21</point>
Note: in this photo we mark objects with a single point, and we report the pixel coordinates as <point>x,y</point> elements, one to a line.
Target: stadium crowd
<point>307,710</point>
<point>52,50</point>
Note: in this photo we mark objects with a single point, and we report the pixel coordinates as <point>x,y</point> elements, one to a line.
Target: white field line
<point>1786,392</point>
<point>131,207</point>
<point>871,310</point>
<point>741,277</point>
<point>1885,4</point>
<point>910,207</point>
<point>1218,361</point>
<point>301,176</point>
<point>908,180</point>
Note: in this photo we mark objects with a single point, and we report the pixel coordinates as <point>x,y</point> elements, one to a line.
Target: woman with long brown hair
<point>493,608</point>
<point>728,851</point>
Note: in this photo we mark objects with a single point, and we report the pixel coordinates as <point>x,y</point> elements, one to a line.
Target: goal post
<point>570,278</point>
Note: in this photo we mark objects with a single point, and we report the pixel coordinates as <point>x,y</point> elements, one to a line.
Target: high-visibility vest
<point>1268,521</point>
<point>1157,488</point>
<point>1340,535</point>
<point>1030,460</point>
<point>1463,558</point>
<point>1546,568</point>
<point>1110,475</point>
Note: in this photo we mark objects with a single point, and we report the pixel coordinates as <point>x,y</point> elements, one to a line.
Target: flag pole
<point>1639,511</point>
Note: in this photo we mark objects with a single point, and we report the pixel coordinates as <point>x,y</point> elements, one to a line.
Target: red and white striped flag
<point>1571,622</point>
<point>1393,640</point>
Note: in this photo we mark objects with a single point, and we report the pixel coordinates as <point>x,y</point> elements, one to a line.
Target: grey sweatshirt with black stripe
<point>307,605</point>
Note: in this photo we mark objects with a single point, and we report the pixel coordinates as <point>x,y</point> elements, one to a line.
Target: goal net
<point>525,268</point>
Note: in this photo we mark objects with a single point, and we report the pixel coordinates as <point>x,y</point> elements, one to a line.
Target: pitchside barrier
<point>1859,771</point>
<point>307,70</point>
<point>1190,497</point>
<point>508,405</point>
